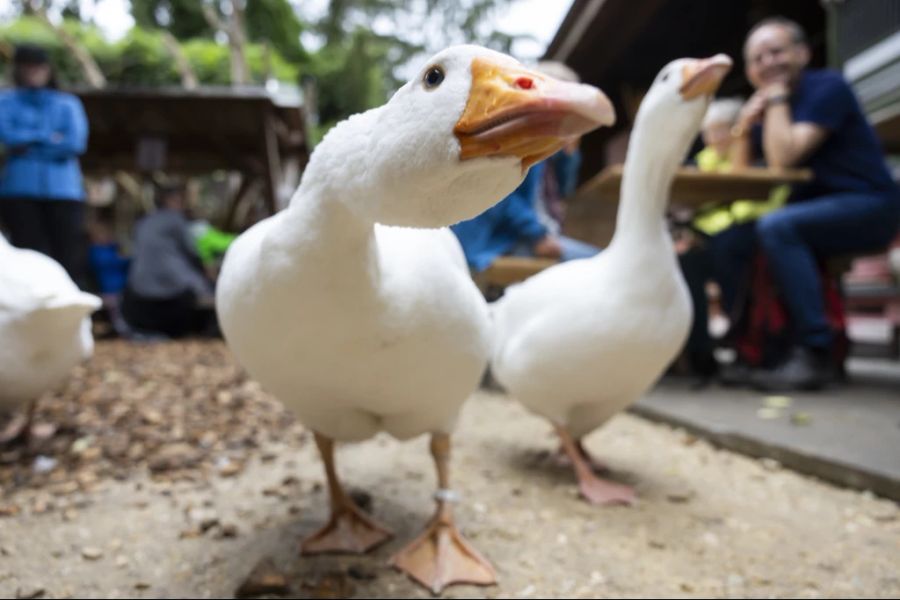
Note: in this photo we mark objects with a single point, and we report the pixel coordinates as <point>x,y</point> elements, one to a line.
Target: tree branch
<point>92,73</point>
<point>234,30</point>
<point>188,77</point>
<point>212,18</point>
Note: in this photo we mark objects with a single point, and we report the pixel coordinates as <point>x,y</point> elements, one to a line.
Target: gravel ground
<point>177,488</point>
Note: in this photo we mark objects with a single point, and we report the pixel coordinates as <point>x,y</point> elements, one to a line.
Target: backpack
<point>762,334</point>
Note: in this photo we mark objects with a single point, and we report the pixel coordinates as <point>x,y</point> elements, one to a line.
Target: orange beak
<point>704,76</point>
<point>514,111</point>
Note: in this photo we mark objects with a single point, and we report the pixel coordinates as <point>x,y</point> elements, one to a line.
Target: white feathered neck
<point>656,149</point>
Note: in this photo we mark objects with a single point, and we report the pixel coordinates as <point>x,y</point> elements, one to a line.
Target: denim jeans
<point>792,238</point>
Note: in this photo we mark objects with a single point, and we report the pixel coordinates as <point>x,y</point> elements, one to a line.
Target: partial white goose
<point>44,330</point>
<point>580,341</point>
<point>361,328</point>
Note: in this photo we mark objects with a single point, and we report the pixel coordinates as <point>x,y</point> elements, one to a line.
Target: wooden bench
<point>507,270</point>
<point>872,295</point>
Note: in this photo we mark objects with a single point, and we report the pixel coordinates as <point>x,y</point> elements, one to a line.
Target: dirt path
<point>97,524</point>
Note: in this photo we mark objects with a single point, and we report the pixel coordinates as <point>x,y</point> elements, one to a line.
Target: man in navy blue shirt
<point>806,118</point>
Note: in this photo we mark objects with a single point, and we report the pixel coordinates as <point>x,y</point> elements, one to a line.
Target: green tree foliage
<point>276,22</point>
<point>364,44</point>
<point>272,22</point>
<point>141,58</point>
<point>182,18</point>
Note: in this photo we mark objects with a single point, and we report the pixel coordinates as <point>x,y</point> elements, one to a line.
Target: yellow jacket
<point>714,219</point>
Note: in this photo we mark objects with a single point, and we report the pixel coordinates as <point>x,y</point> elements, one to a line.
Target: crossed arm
<point>70,140</point>
<point>785,143</point>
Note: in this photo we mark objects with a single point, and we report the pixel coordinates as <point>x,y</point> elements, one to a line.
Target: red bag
<point>763,335</point>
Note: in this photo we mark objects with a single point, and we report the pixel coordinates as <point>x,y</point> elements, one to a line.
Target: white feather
<point>359,327</point>
<point>44,329</point>
<point>580,341</point>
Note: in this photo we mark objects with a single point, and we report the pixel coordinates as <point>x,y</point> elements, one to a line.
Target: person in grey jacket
<point>166,282</point>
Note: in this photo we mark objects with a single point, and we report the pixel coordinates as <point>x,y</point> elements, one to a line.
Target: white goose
<point>44,330</point>
<point>360,328</point>
<point>580,341</point>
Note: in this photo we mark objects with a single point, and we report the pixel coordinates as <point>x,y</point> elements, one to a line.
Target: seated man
<point>166,281</point>
<point>800,117</point>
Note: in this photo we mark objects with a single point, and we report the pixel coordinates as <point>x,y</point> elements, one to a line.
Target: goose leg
<point>592,488</point>
<point>561,457</point>
<point>20,427</point>
<point>349,529</point>
<point>440,556</point>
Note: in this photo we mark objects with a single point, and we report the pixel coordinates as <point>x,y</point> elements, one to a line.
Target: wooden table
<point>591,215</point>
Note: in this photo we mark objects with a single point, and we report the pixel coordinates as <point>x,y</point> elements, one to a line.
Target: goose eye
<point>665,76</point>
<point>433,77</point>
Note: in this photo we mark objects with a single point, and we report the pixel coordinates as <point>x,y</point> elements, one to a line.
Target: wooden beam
<point>247,181</point>
<point>272,163</point>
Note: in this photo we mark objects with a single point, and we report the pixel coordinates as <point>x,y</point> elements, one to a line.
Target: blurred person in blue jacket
<point>528,221</point>
<point>109,267</point>
<point>43,131</point>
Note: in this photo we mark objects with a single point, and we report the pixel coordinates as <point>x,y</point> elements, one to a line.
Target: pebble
<point>680,496</point>
<point>230,468</point>
<point>91,553</point>
<point>44,464</point>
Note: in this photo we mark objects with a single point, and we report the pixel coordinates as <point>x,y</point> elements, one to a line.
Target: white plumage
<point>44,325</point>
<point>361,328</point>
<point>579,342</point>
<point>385,332</point>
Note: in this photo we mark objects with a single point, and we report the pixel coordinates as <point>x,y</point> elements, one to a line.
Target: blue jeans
<point>792,238</point>
<point>572,249</point>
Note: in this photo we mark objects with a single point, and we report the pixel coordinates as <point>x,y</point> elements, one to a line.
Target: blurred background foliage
<point>357,56</point>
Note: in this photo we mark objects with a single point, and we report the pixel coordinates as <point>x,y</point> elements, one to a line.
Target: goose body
<point>370,330</point>
<point>356,309</point>
<point>580,341</point>
<point>44,325</point>
<point>583,340</point>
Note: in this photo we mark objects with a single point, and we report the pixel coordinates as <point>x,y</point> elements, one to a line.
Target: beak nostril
<point>525,83</point>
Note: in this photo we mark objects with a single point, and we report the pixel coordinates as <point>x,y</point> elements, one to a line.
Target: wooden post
<point>247,181</point>
<point>272,163</point>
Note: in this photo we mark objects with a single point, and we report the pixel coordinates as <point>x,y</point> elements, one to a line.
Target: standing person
<point>805,118</point>
<point>43,131</point>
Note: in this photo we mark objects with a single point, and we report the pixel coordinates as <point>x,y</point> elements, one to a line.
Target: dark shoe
<point>804,369</point>
<point>736,374</point>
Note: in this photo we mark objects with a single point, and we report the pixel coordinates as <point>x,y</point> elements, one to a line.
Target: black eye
<point>433,77</point>
<point>665,76</point>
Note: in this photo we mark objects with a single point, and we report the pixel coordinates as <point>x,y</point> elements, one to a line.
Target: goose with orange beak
<point>355,307</point>
<point>581,341</point>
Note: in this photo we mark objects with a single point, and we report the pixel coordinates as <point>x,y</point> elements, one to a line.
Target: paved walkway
<point>848,434</point>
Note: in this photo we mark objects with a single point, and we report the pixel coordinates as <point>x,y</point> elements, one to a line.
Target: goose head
<point>676,102</point>
<point>458,137</point>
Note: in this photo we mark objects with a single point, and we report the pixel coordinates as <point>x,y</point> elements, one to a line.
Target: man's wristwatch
<point>778,99</point>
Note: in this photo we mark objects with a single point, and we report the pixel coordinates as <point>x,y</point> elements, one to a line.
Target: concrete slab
<point>848,434</point>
